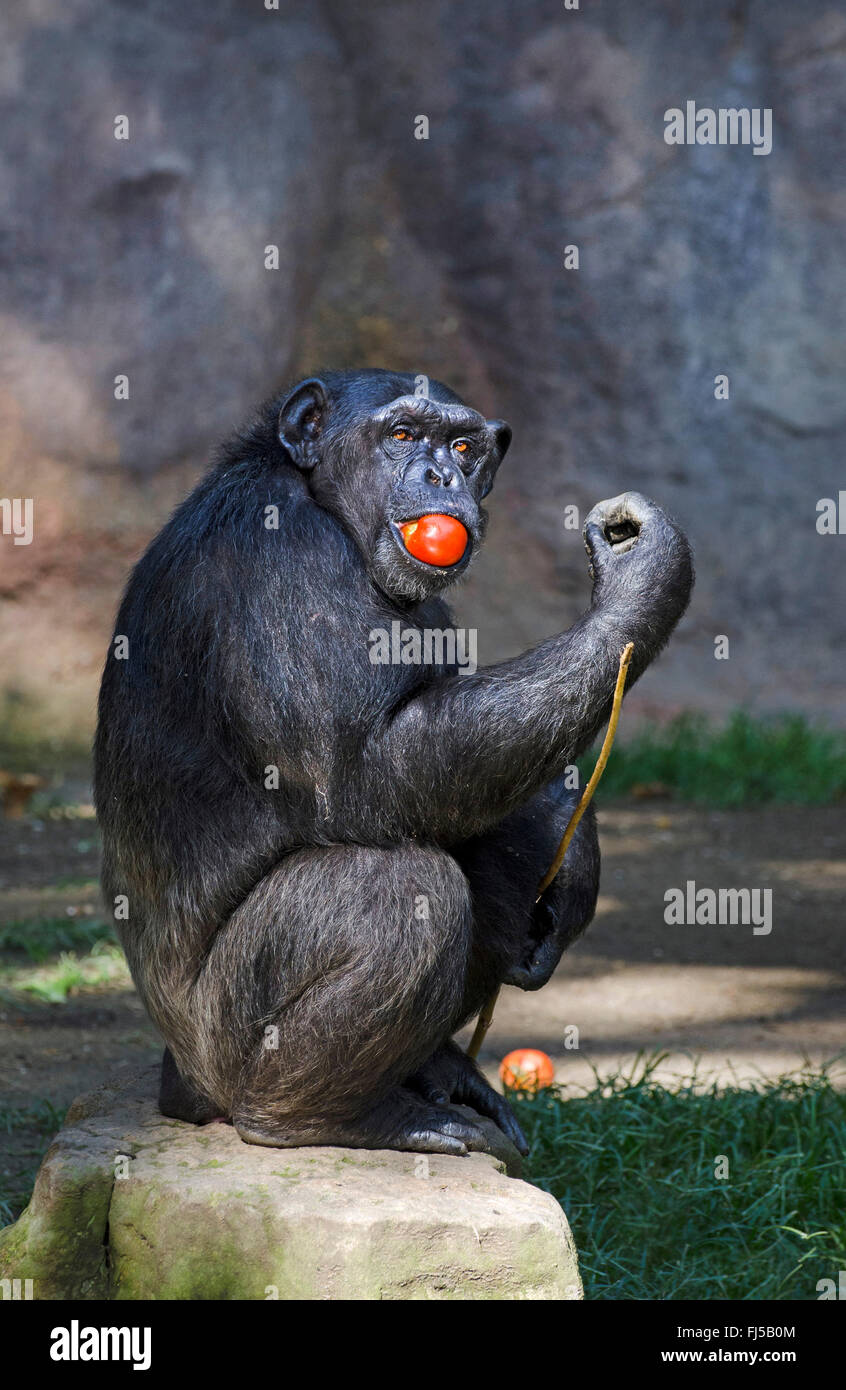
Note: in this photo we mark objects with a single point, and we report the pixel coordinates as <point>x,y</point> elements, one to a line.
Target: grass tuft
<point>34,1127</point>
<point>52,958</point>
<point>43,937</point>
<point>746,762</point>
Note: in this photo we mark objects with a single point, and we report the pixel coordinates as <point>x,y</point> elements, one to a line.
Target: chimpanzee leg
<point>339,975</point>
<point>179,1100</point>
<point>514,941</point>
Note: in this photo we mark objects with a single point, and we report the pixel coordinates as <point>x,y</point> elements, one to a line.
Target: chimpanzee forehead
<point>429,414</point>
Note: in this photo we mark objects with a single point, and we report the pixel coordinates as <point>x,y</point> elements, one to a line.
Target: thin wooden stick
<point>485,1018</point>
<point>587,794</point>
<point>483,1023</point>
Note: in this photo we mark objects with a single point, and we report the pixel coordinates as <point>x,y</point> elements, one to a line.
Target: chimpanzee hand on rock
<point>451,1076</point>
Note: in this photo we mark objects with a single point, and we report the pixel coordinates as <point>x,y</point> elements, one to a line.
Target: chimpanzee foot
<point>450,1075</point>
<point>400,1121</point>
<point>178,1099</point>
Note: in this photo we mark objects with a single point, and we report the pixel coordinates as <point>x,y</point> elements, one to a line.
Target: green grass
<point>33,1126</point>
<point>49,936</point>
<point>745,762</point>
<point>53,957</point>
<point>633,1165</point>
<point>103,967</point>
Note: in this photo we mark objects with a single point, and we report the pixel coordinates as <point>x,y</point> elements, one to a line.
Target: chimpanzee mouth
<point>434,540</point>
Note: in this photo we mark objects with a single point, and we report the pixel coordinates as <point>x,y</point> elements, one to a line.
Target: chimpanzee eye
<point>401,433</point>
<point>462,448</point>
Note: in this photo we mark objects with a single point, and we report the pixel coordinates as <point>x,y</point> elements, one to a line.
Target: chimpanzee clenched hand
<point>331,862</point>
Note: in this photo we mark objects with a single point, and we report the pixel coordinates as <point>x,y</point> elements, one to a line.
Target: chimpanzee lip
<point>394,527</point>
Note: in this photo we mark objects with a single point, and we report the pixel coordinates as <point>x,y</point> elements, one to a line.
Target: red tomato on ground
<point>435,539</point>
<point>527,1069</point>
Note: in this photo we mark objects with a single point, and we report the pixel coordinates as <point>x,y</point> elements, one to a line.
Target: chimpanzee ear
<point>500,435</point>
<point>301,421</point>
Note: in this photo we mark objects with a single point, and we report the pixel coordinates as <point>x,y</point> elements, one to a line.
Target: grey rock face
<point>446,256</point>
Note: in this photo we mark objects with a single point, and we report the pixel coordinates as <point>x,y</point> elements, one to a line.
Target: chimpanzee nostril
<point>433,477</point>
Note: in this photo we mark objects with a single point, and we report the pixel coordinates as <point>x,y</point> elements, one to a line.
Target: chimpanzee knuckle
<point>592,535</point>
<point>601,513</point>
<point>620,508</point>
<point>637,506</point>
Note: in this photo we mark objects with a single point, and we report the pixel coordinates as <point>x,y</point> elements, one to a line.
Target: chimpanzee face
<point>406,475</point>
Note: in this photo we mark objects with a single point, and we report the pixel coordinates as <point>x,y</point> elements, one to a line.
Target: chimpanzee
<point>324,864</point>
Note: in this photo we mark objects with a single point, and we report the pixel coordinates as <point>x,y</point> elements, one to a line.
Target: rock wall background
<point>446,256</point>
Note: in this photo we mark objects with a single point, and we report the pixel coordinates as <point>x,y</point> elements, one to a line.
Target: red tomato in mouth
<point>435,539</point>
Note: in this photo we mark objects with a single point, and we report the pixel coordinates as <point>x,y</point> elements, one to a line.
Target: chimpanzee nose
<point>441,475</point>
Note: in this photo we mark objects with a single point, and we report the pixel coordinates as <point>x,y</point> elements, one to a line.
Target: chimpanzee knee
<point>332,975</point>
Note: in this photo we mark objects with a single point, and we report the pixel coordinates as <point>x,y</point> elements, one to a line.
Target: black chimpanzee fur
<point>330,863</point>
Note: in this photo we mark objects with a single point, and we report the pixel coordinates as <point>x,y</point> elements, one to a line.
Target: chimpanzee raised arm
<point>491,740</point>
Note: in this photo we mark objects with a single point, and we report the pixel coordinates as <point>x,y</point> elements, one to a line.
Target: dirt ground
<point>743,1005</point>
<point>746,1005</point>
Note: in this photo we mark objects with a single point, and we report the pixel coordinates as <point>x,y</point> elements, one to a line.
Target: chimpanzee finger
<point>457,1127</point>
<point>433,1141</point>
<point>427,1083</point>
<point>432,1091</point>
<point>597,547</point>
<point>489,1102</point>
